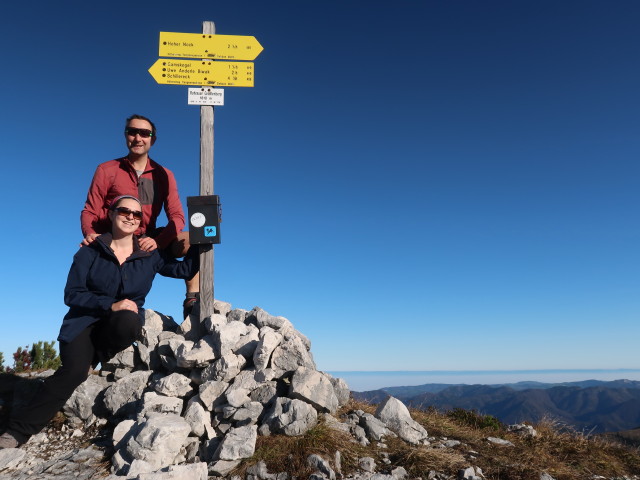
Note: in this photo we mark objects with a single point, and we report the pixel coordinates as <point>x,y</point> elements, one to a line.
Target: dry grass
<point>566,454</point>
<point>289,454</point>
<point>419,460</point>
<point>556,450</point>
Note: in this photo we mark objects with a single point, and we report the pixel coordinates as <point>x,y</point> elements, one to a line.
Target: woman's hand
<point>125,304</point>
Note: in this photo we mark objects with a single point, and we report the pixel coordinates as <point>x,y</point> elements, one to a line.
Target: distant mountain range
<point>589,406</point>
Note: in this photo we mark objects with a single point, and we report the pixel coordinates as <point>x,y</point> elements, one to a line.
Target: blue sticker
<point>210,231</point>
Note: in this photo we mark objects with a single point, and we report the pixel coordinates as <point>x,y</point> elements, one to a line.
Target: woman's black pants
<point>100,340</point>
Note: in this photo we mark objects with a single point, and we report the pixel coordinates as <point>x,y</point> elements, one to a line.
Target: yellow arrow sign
<point>201,45</point>
<point>198,72</point>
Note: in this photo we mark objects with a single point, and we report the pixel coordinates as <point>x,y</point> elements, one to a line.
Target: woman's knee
<point>125,328</point>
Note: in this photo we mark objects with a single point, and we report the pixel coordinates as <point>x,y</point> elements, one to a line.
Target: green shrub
<point>41,356</point>
<point>44,356</point>
<point>475,419</point>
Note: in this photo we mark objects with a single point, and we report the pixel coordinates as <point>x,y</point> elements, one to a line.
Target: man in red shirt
<point>138,175</point>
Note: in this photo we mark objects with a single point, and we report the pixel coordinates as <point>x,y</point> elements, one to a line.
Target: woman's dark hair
<point>117,200</point>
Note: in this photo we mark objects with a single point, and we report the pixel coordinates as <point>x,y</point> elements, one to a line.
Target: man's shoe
<point>8,441</point>
<point>188,305</point>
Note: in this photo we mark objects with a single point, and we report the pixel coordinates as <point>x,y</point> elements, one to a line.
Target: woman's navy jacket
<point>97,280</point>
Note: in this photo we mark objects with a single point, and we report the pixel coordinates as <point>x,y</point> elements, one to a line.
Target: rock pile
<point>188,401</point>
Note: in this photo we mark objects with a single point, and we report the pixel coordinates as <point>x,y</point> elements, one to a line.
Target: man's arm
<point>93,206</point>
<point>174,212</point>
<point>88,239</point>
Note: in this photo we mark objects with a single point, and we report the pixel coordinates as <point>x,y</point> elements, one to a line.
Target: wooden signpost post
<point>208,47</point>
<point>206,188</point>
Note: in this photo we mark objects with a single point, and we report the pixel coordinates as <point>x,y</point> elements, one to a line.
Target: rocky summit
<point>189,401</point>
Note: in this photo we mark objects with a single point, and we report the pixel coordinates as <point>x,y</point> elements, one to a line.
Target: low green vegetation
<point>41,356</point>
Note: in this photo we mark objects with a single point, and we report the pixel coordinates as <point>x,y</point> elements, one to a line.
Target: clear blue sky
<point>416,185</point>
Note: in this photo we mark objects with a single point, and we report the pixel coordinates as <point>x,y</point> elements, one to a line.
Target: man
<point>138,175</point>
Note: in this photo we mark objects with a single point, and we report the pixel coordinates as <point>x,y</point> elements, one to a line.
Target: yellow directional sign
<point>198,72</point>
<point>201,45</point>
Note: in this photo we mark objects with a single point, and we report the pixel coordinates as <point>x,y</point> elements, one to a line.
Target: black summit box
<point>204,219</point>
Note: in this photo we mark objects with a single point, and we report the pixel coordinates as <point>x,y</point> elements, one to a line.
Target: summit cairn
<point>203,392</point>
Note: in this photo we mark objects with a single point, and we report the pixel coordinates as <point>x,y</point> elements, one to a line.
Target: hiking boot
<point>189,304</point>
<point>8,441</point>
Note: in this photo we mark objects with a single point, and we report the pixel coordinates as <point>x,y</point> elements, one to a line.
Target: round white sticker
<point>198,219</point>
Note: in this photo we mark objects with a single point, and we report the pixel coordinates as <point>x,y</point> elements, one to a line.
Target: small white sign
<point>206,96</point>
<point>198,219</point>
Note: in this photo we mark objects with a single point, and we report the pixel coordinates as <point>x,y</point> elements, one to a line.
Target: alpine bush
<point>44,356</point>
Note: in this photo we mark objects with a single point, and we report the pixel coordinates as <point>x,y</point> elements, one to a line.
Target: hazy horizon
<point>374,380</point>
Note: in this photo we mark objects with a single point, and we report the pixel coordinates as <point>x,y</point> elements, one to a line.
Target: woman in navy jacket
<point>106,288</point>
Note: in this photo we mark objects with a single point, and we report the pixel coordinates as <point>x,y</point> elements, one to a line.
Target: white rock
<point>268,341</point>
<point>500,441</point>
<point>212,393</point>
<point>313,387</point>
<point>11,457</point>
<point>193,471</point>
<point>121,397</point>
<point>159,440</point>
<point>197,418</point>
<point>238,443</point>
<point>152,402</point>
<point>173,385</point>
<point>291,416</point>
<point>397,418</point>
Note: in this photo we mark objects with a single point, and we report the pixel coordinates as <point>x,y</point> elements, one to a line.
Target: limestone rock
<point>84,400</point>
<point>375,429</point>
<point>198,418</point>
<point>397,418</point>
<point>500,441</point>
<point>194,471</point>
<point>341,389</point>
<point>291,416</point>
<point>124,359</point>
<point>158,440</point>
<point>200,354</point>
<point>268,341</point>
<point>314,388</point>
<point>11,457</point>
<point>321,465</point>
<point>237,444</point>
<point>225,368</point>
<point>291,354</point>
<point>173,385</point>
<point>121,397</point>
<point>212,393</point>
<point>152,402</point>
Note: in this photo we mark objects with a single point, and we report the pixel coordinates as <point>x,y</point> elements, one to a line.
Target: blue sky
<point>416,185</point>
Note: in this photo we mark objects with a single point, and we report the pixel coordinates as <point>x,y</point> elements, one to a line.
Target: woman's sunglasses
<point>125,212</point>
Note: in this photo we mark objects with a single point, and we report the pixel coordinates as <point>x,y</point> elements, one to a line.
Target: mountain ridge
<point>590,405</point>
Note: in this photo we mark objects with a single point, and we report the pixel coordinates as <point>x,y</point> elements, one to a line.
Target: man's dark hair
<point>141,117</point>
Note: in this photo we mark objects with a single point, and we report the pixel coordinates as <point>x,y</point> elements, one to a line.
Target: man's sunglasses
<point>125,212</point>
<point>143,132</point>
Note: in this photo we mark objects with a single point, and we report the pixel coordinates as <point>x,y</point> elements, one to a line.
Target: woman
<point>106,288</point>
